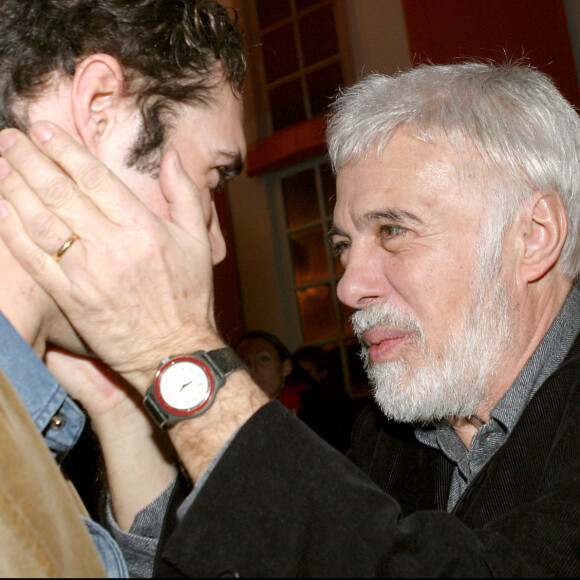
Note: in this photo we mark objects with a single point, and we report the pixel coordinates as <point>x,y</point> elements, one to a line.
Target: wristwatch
<point>185,386</point>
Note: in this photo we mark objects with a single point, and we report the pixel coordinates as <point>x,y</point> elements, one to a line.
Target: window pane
<point>287,105</point>
<point>272,11</point>
<point>322,86</point>
<point>300,199</point>
<point>338,269</point>
<point>309,256</point>
<point>279,50</point>
<point>316,313</point>
<point>318,35</point>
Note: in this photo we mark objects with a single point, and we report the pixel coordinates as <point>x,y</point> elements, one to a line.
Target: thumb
<point>183,197</point>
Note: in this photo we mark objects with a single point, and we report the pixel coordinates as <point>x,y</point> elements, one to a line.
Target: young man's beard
<point>455,380</point>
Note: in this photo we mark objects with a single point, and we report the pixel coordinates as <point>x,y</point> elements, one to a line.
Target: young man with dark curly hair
<point>128,81</point>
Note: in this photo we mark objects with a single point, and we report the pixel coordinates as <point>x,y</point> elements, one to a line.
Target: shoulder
<point>374,435</point>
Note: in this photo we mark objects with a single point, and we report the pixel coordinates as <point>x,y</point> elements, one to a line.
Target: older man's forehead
<point>411,170</point>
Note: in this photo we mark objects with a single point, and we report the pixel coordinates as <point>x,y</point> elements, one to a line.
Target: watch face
<point>184,385</point>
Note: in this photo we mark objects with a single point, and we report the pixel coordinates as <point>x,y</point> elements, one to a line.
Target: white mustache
<point>388,317</point>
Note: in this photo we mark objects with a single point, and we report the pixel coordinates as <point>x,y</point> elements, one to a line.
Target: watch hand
<point>183,387</point>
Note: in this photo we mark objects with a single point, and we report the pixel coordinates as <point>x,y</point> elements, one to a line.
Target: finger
<point>57,196</point>
<point>86,380</point>
<point>183,198</point>
<point>46,229</point>
<point>43,268</point>
<point>68,369</point>
<point>216,237</point>
<point>91,177</point>
<point>76,372</point>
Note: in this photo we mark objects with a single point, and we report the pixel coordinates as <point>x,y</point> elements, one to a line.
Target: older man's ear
<point>544,231</point>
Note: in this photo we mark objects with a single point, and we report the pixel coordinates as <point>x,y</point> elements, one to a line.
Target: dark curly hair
<point>172,52</point>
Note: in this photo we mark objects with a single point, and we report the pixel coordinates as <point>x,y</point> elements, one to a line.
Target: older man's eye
<point>390,231</point>
<point>393,238</point>
<point>338,247</point>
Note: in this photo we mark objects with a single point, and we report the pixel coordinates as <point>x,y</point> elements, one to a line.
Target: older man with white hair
<point>457,222</point>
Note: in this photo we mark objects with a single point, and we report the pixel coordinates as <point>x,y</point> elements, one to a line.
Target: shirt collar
<point>546,359</point>
<point>38,389</point>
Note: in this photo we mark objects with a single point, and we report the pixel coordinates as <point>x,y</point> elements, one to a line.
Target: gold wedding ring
<point>62,250</point>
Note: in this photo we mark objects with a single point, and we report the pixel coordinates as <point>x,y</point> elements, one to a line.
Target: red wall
<point>442,30</point>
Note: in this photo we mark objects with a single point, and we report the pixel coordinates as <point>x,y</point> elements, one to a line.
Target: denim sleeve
<point>108,550</point>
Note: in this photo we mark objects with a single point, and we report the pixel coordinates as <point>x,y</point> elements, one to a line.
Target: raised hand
<point>103,393</point>
<point>139,457</point>
<point>135,287</point>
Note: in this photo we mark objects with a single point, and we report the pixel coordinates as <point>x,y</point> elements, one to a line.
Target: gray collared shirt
<point>491,436</point>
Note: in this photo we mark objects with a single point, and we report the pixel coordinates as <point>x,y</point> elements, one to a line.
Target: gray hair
<point>512,115</point>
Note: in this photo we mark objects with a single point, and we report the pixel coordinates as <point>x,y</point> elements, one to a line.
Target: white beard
<point>454,381</point>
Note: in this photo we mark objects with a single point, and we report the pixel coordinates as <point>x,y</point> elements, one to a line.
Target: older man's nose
<point>364,280</point>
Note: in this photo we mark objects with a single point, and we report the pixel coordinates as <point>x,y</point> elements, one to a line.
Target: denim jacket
<point>57,418</point>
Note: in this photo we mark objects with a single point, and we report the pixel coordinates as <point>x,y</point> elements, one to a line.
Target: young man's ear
<point>545,231</point>
<point>97,94</point>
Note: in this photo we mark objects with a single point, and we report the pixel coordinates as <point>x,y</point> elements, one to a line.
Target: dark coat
<point>282,503</point>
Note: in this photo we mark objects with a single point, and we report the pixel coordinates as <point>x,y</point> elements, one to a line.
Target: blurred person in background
<point>281,377</point>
